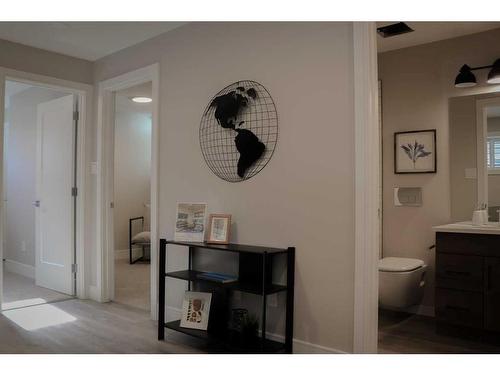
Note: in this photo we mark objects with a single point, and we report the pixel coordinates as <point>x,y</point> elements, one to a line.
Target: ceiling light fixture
<point>141,99</point>
<point>467,79</point>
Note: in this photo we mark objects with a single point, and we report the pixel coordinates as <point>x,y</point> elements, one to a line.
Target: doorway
<point>39,195</point>
<point>107,95</point>
<point>132,196</point>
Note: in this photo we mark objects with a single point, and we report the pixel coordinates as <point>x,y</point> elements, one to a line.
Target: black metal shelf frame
<point>263,289</point>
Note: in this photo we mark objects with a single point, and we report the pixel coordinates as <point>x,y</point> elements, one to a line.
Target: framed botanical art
<point>196,310</point>
<point>415,152</point>
<point>190,222</point>
<point>219,228</point>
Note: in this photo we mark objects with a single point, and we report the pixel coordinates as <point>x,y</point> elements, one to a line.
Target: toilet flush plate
<point>408,196</point>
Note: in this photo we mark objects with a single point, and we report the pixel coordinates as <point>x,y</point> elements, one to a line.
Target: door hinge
<point>74,191</point>
<point>74,268</point>
<point>76,115</point>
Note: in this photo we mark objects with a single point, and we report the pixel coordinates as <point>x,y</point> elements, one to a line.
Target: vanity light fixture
<point>467,79</point>
<point>494,74</point>
<point>141,99</point>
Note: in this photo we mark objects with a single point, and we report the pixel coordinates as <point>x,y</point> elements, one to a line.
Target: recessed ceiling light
<point>141,99</point>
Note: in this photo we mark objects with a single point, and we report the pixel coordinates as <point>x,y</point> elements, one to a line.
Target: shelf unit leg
<point>161,290</point>
<point>290,283</point>
<point>190,265</point>
<point>264,301</point>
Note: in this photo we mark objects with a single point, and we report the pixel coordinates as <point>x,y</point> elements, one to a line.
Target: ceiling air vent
<point>394,29</point>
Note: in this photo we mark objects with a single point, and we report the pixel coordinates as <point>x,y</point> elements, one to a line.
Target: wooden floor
<point>94,328</point>
<point>21,291</point>
<point>401,333</point>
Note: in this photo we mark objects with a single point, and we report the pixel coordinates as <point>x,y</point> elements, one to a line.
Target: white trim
<point>367,199</point>
<point>481,135</point>
<point>19,268</point>
<point>417,310</point>
<point>105,149</point>
<point>94,293</point>
<point>84,93</point>
<point>122,254</point>
<point>299,346</point>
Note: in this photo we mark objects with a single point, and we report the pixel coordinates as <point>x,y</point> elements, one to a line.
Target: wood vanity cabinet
<point>468,282</point>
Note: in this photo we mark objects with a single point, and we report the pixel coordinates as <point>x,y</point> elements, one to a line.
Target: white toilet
<point>401,282</point>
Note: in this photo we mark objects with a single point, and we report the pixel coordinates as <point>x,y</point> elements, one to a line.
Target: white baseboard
<point>422,310</point>
<point>121,254</point>
<point>20,268</point>
<point>124,253</point>
<point>417,309</point>
<point>299,346</point>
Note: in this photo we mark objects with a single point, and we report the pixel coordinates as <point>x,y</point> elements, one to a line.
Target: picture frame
<point>196,310</point>
<point>415,152</point>
<point>219,228</point>
<point>190,222</point>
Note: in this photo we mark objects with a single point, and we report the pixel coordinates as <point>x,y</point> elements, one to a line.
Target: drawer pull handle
<point>458,308</point>
<point>457,273</point>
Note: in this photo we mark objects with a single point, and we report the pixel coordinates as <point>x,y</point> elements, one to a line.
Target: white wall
<point>132,168</point>
<point>305,195</point>
<point>417,83</point>
<point>21,173</point>
<point>34,60</point>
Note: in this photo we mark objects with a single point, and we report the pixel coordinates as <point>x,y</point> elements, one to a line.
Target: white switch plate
<point>471,173</point>
<point>93,167</point>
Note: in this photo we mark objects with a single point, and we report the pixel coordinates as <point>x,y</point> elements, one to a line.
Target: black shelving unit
<point>255,277</point>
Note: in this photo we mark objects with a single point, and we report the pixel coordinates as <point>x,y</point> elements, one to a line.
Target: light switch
<point>93,167</point>
<point>471,173</point>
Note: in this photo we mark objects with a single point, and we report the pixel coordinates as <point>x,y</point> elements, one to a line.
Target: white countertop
<point>468,227</point>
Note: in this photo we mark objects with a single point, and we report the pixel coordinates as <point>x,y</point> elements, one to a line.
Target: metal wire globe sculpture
<point>239,131</point>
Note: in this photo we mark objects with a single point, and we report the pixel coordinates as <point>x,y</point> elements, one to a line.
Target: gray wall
<point>34,60</point>
<point>417,83</point>
<point>21,174</point>
<point>305,195</point>
<point>132,168</point>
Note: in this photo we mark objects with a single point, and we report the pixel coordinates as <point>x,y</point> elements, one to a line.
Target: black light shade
<point>494,74</point>
<point>466,78</point>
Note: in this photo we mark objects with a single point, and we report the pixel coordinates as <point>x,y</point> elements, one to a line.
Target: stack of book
<point>217,277</point>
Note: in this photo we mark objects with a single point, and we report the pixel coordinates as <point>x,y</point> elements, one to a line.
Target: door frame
<point>105,179</point>
<point>482,129</point>
<point>367,188</point>
<point>83,92</point>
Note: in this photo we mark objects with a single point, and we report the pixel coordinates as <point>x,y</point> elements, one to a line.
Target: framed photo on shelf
<point>219,228</point>
<point>196,310</point>
<point>190,222</point>
<point>415,152</point>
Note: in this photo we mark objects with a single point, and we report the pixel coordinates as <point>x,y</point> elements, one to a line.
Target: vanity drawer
<point>459,307</point>
<point>463,272</point>
<point>468,244</point>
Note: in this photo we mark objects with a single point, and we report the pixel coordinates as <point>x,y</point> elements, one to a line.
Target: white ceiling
<point>93,40</point>
<point>86,40</point>
<point>427,32</point>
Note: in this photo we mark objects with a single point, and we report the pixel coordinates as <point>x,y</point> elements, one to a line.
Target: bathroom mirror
<point>474,135</point>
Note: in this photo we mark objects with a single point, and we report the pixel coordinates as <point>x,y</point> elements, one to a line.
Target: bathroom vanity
<point>468,279</point>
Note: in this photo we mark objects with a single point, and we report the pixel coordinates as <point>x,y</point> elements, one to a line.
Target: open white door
<point>55,201</point>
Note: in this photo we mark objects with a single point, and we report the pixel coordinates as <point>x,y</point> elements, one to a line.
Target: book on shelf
<point>217,277</point>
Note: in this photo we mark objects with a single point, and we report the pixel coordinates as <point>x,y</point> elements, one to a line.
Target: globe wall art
<point>239,131</point>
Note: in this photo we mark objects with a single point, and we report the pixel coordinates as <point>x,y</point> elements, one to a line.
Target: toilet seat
<point>396,264</point>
